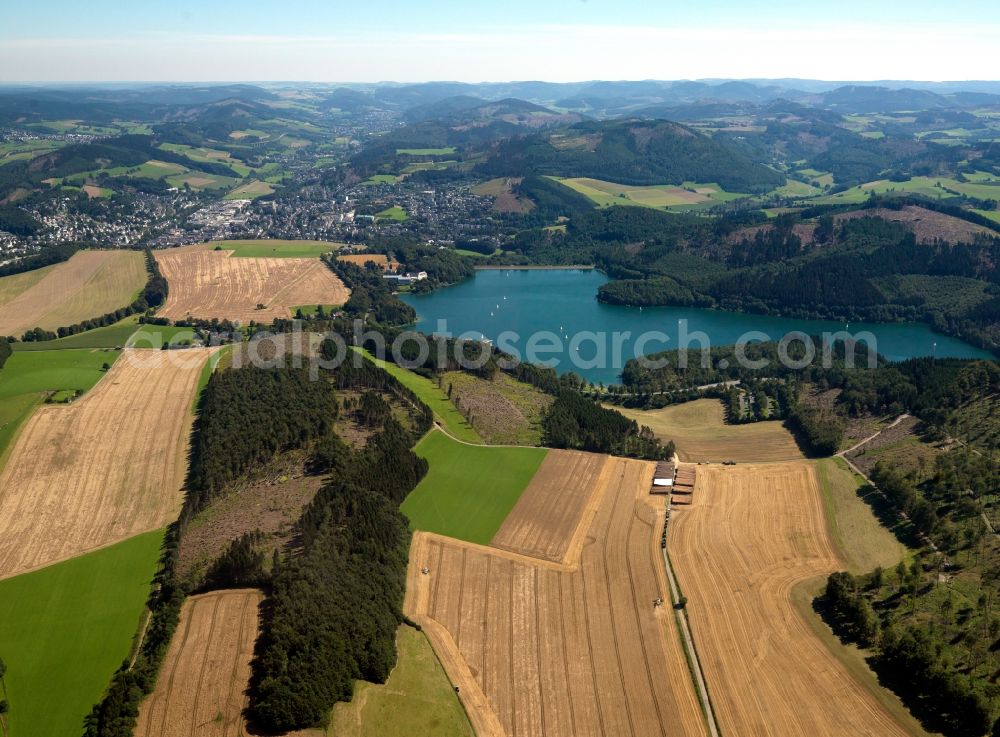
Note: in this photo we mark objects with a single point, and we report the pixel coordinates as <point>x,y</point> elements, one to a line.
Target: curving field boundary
<point>109,466</point>
<point>578,649</point>
<point>751,535</point>
<point>89,284</point>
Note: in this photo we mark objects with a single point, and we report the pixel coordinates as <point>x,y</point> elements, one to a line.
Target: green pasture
<point>469,490</point>
<point>65,629</point>
<point>434,397</point>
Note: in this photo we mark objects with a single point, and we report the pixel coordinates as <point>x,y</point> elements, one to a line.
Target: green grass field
<point>203,154</point>
<point>795,188</point>
<point>686,196</point>
<point>381,179</point>
<point>862,541</point>
<point>418,699</point>
<point>982,176</point>
<point>28,372</point>
<point>250,191</point>
<point>13,412</point>
<point>934,187</point>
<point>425,151</point>
<point>434,397</point>
<point>221,356</point>
<point>65,629</point>
<point>28,375</point>
<point>428,166</point>
<point>111,336</point>
<point>128,332</point>
<point>393,213</point>
<point>993,215</point>
<point>150,170</point>
<point>823,178</point>
<point>279,248</point>
<point>469,490</point>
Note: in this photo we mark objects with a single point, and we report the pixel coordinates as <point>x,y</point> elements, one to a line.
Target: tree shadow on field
<point>888,517</point>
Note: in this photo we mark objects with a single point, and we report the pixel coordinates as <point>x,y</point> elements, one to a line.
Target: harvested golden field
<point>12,286</point>
<point>250,190</point>
<point>542,648</point>
<point>90,284</point>
<point>701,433</point>
<point>545,522</point>
<point>104,468</point>
<point>752,534</point>
<point>212,284</point>
<point>201,689</point>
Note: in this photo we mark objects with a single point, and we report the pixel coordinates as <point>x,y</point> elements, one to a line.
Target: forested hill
<point>632,152</point>
<point>466,125</point>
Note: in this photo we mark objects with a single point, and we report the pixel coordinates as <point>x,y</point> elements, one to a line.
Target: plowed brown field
<point>107,467</point>
<point>542,648</point>
<point>547,518</point>
<point>90,284</point>
<point>202,686</point>
<point>752,534</point>
<point>207,283</point>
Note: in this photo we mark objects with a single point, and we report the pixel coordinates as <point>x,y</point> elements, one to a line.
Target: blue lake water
<point>564,303</point>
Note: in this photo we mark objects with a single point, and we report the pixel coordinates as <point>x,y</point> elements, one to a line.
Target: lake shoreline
<point>560,304</point>
<point>570,267</point>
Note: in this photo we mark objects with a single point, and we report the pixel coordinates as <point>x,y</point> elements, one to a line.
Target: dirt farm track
<point>116,461</point>
<point>751,535</point>
<point>572,649</point>
<point>213,284</point>
<point>202,685</point>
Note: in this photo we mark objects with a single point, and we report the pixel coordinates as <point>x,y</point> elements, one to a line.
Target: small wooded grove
<point>575,421</point>
<point>931,624</point>
<point>5,352</point>
<point>334,609</point>
<point>46,257</point>
<point>907,657</point>
<point>248,415</point>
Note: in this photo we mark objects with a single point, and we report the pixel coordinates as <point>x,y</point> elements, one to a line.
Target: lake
<point>563,302</point>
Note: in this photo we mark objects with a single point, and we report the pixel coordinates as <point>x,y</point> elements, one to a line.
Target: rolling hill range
<point>463,125</point>
<point>632,152</point>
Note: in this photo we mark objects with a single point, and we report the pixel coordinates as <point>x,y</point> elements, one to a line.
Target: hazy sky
<point>557,40</point>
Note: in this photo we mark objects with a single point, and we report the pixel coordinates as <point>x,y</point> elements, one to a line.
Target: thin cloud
<point>558,52</point>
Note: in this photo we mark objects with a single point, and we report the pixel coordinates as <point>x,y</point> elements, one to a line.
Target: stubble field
<point>701,433</point>
<point>543,648</point>
<point>114,462</point>
<point>90,284</point>
<point>215,284</point>
<point>753,534</point>
<point>202,685</point>
<point>544,522</point>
